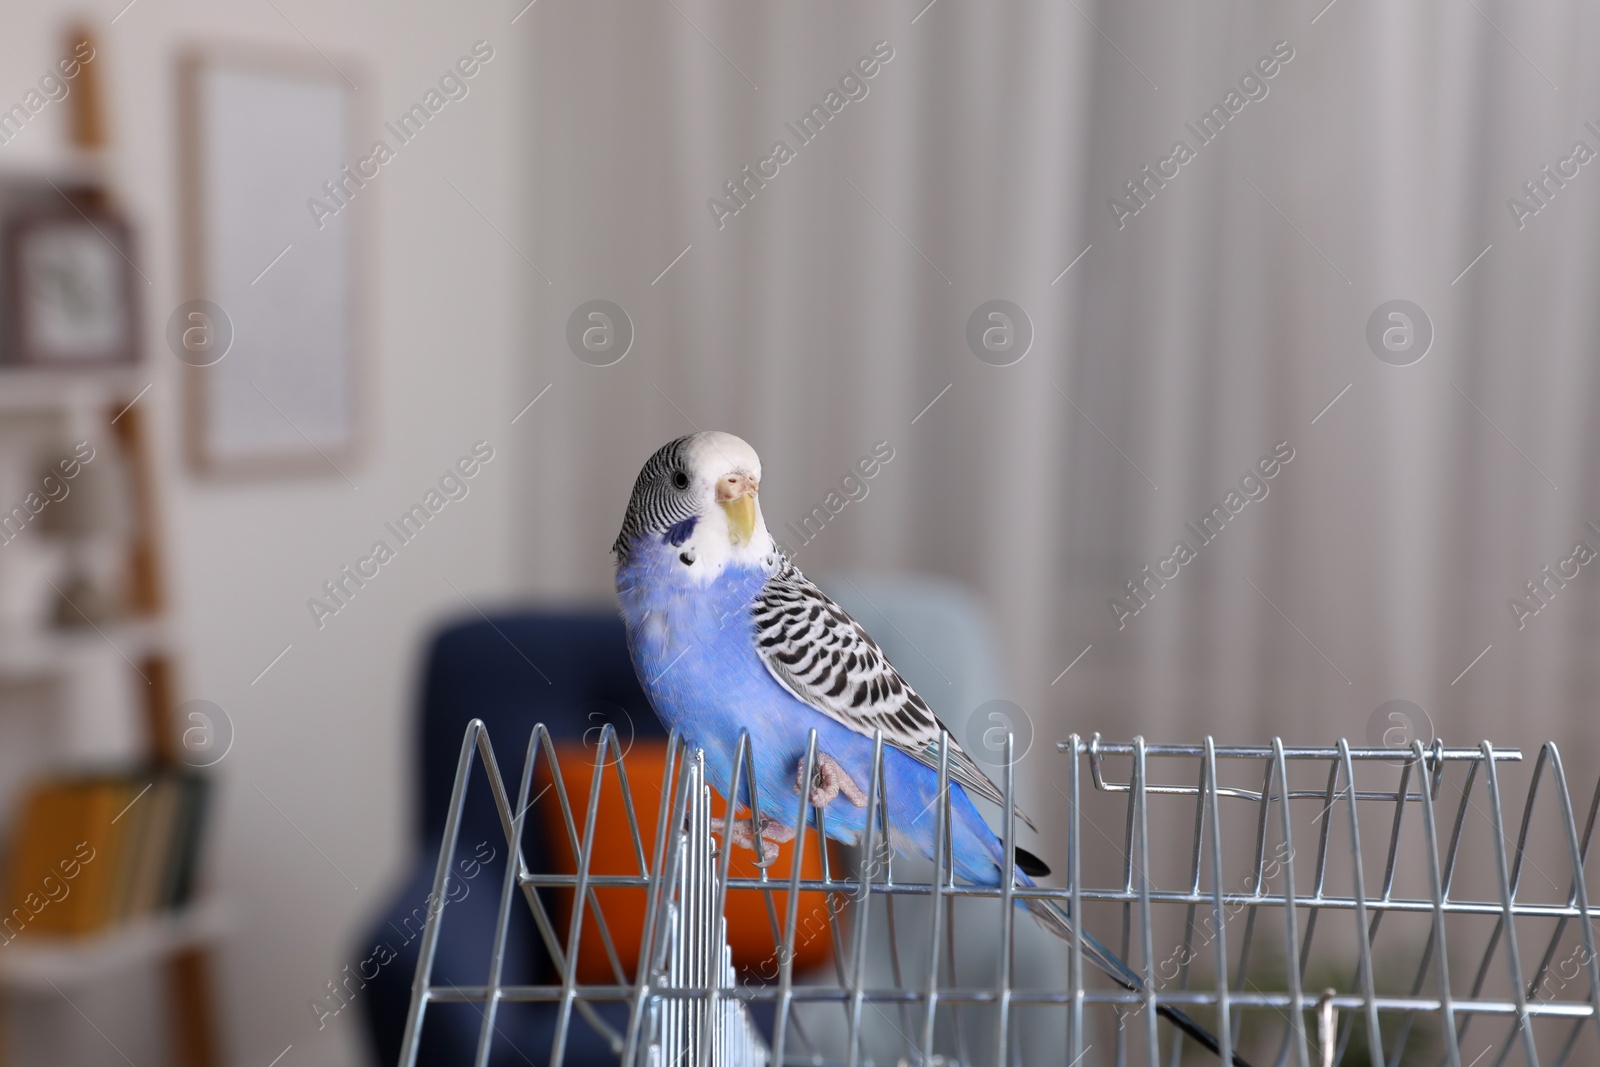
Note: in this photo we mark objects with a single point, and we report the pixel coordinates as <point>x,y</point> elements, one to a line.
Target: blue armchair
<point>571,672</point>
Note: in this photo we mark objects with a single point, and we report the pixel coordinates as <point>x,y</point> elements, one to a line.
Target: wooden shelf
<point>37,964</point>
<point>28,390</point>
<point>69,165</point>
<point>94,402</point>
<point>47,653</point>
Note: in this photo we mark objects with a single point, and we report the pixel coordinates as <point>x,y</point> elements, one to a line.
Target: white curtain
<point>1177,352</point>
<point>1233,309</point>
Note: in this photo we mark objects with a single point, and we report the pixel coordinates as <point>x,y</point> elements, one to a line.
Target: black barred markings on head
<point>660,500</point>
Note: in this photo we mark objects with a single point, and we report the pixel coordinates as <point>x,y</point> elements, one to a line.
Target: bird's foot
<point>773,833</point>
<point>829,781</point>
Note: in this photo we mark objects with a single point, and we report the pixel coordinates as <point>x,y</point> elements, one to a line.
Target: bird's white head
<point>699,496</point>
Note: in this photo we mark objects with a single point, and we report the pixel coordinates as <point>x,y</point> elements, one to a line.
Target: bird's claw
<point>773,834</point>
<point>829,781</point>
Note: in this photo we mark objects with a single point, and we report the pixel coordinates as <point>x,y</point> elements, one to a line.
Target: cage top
<point>1097,746</point>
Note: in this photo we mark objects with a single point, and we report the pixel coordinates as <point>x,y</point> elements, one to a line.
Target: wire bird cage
<point>1308,906</point>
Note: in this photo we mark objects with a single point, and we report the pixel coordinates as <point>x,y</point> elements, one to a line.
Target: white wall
<point>325,733</point>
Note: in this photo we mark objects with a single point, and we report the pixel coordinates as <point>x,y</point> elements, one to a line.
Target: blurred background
<point>1225,369</point>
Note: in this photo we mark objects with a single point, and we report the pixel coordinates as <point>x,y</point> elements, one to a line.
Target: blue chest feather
<point>694,650</point>
<point>692,643</point>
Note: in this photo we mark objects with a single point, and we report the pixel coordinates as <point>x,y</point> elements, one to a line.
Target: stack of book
<point>90,852</point>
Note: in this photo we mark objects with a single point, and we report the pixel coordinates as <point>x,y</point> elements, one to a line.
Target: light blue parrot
<point>727,635</point>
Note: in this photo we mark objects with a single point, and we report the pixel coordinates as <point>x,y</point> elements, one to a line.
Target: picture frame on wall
<point>272,322</point>
<point>71,287</point>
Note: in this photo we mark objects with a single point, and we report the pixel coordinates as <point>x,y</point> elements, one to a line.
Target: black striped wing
<point>820,654</point>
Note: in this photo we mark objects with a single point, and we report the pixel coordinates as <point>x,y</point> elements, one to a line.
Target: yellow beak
<point>741,512</point>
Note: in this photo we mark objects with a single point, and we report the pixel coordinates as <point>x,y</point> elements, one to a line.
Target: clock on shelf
<point>71,286</point>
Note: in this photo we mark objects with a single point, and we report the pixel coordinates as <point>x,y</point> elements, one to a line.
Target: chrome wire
<point>1431,915</point>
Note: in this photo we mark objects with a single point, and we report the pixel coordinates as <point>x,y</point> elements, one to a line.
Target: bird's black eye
<point>680,479</point>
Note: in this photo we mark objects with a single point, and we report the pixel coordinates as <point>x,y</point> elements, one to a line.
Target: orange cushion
<point>749,925</point>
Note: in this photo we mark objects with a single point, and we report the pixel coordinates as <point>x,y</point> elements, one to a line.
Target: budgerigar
<point>727,635</point>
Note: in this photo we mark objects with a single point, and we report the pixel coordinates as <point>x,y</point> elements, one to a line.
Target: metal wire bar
<point>957,1017</point>
<point>1500,924</point>
<point>1459,825</point>
<point>1513,959</point>
<point>894,941</point>
<point>1327,902</point>
<point>1594,981</point>
<point>541,916</point>
<point>502,924</point>
<point>1319,881</point>
<point>1403,1032</point>
<point>940,849</point>
<point>1441,894</point>
<point>497,792</point>
<point>681,986</point>
<point>1187,953</point>
<point>430,934</point>
<point>1295,1037</point>
<point>726,860</point>
<point>792,904</point>
<point>620,763</point>
<point>1127,907</point>
<point>1580,892</point>
<point>558,1044</point>
<point>822,994</point>
<point>476,740</point>
<point>1147,953</point>
<point>1097,750</point>
<point>863,899</point>
<point>831,901</point>
<point>1437,940</point>
<point>1263,810</point>
<point>1358,879</point>
<point>699,956</point>
<point>671,800</point>
<point>547,743</point>
<point>1224,1020</point>
<point>1386,892</point>
<point>1075,1045</point>
<point>744,757</point>
<point>1008,885</point>
<point>1520,854</point>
